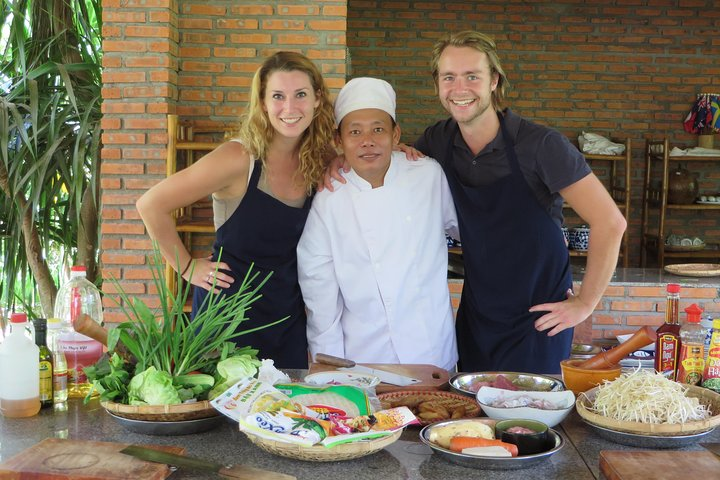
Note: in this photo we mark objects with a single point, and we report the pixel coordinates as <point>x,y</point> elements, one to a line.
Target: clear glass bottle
<point>667,345</point>
<point>19,372</point>
<point>46,363</point>
<point>692,355</point>
<point>60,373</point>
<point>78,297</point>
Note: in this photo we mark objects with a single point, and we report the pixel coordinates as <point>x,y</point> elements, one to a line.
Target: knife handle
<point>334,361</point>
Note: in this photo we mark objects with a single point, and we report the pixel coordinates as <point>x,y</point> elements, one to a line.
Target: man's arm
<point>320,289</point>
<point>591,201</point>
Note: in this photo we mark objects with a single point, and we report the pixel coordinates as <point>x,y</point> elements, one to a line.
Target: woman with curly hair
<point>262,186</point>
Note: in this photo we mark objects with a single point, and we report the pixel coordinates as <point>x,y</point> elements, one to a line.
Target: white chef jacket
<point>372,266</point>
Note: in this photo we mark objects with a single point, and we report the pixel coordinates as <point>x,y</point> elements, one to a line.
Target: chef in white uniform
<point>372,259</point>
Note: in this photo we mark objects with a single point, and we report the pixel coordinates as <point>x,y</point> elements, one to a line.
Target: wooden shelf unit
<point>618,185</point>
<point>655,206</point>
<point>183,150</point>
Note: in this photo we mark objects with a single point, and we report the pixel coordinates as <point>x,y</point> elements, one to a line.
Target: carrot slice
<point>459,443</point>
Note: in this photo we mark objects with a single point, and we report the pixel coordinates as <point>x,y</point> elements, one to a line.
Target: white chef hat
<point>364,92</point>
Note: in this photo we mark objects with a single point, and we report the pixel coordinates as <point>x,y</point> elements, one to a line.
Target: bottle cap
<point>40,324</point>
<point>18,318</point>
<point>673,288</point>
<point>78,268</point>
<point>693,313</point>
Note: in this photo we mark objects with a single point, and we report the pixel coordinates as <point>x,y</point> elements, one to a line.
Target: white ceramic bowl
<point>565,400</point>
<point>343,378</point>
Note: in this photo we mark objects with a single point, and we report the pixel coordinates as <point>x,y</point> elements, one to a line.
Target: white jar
<point>19,372</point>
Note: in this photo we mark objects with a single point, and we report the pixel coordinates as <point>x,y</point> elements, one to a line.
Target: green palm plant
<point>49,145</point>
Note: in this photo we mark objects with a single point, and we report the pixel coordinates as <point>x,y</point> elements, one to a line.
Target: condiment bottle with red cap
<point>667,345</point>
<point>692,352</point>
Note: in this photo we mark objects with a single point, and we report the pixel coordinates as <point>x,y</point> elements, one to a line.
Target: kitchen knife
<point>350,366</point>
<point>713,447</point>
<point>232,471</point>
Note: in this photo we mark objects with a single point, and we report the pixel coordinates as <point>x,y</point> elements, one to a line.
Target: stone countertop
<point>649,276</point>
<point>405,459</point>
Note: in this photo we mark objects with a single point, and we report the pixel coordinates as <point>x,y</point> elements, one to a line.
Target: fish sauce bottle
<point>667,345</point>
<point>77,297</point>
<point>46,363</point>
<point>19,372</point>
<point>691,361</point>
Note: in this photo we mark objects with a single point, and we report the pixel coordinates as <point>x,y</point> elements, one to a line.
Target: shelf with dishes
<point>671,190</point>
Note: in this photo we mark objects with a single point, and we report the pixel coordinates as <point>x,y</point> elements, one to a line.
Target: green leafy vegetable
<point>109,377</point>
<point>232,369</point>
<point>152,387</point>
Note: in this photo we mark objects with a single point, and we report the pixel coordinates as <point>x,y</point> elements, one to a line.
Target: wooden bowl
<point>162,413</point>
<point>584,403</point>
<point>583,379</point>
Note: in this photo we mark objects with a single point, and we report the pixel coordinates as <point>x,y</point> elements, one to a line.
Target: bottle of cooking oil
<point>78,297</point>
<point>46,363</point>
<point>60,373</point>
<point>19,372</point>
<point>692,355</point>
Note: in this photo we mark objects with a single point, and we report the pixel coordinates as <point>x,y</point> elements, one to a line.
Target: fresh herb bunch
<point>169,340</point>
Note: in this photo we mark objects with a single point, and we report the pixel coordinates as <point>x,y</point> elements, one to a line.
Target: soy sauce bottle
<point>667,345</point>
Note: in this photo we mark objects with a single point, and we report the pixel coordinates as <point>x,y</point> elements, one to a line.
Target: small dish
<point>528,443</point>
<point>563,400</point>
<point>469,383</point>
<point>335,377</point>
<point>554,443</point>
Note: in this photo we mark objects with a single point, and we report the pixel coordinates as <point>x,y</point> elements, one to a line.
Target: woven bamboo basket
<point>584,402</point>
<point>162,413</point>
<point>320,453</point>
<point>411,399</point>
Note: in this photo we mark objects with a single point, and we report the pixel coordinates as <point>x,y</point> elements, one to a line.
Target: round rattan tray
<point>411,398</point>
<point>162,413</point>
<point>320,453</point>
<point>706,397</point>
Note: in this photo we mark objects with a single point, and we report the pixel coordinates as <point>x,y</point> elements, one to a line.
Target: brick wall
<point>626,69</point>
<point>620,69</point>
<point>196,59</point>
<point>625,308</point>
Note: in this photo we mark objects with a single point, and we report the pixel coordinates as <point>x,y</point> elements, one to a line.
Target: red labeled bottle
<point>667,345</point>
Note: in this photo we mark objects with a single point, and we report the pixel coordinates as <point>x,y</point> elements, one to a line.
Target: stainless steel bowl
<point>584,350</point>
<point>184,427</point>
<point>555,443</point>
<point>462,382</point>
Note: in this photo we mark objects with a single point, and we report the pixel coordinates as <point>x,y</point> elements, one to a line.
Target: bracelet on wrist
<point>186,267</point>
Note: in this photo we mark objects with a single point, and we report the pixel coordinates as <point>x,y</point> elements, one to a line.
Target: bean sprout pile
<point>647,397</point>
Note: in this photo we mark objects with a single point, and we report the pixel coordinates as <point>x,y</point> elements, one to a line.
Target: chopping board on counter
<point>56,458</point>
<point>658,464</point>
<point>430,376</point>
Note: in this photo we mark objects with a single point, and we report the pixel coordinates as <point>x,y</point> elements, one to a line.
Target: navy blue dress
<point>515,257</point>
<point>265,231</point>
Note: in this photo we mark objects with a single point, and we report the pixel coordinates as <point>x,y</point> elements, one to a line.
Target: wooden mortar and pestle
<point>608,359</point>
<point>580,376</point>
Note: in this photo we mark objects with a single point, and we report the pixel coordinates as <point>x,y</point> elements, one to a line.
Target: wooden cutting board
<point>56,458</point>
<point>430,376</point>
<point>658,464</point>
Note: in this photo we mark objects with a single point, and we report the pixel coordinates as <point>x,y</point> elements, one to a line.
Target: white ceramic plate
<point>564,400</point>
<point>343,378</point>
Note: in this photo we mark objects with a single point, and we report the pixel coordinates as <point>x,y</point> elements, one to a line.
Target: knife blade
<point>713,447</point>
<point>350,366</point>
<point>383,375</point>
<point>233,471</point>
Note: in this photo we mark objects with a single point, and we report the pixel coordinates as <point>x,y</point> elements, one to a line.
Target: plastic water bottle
<point>19,372</point>
<point>78,296</point>
<point>60,373</point>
